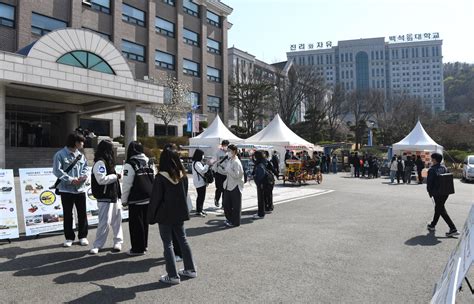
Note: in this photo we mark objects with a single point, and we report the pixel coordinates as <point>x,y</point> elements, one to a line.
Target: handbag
<point>69,168</point>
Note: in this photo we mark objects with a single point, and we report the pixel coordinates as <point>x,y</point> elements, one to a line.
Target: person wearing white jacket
<point>199,169</point>
<point>106,189</point>
<point>393,169</point>
<point>138,177</point>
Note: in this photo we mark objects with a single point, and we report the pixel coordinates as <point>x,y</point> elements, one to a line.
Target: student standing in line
<point>199,169</point>
<point>169,209</point>
<point>409,164</point>
<point>71,187</point>
<point>420,165</point>
<point>138,177</point>
<point>260,172</point>
<point>233,187</point>
<point>276,163</point>
<point>400,170</point>
<point>106,189</point>
<point>219,175</point>
<point>393,169</point>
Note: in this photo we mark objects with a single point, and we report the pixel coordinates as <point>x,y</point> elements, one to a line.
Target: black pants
<point>232,202</point>
<point>261,200</point>
<point>268,196</point>
<point>201,196</point>
<point>69,200</point>
<point>420,178</point>
<point>440,210</point>
<point>400,174</point>
<point>356,171</point>
<point>219,180</point>
<point>137,222</point>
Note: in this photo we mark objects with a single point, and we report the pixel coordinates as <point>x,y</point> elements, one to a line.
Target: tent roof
<point>276,132</point>
<point>219,131</point>
<point>417,139</point>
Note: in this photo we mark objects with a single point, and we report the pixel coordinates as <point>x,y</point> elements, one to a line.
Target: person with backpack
<point>269,183</point>
<point>168,208</point>
<point>106,189</point>
<point>400,170</point>
<point>276,164</point>
<point>433,186</point>
<point>138,177</point>
<point>219,175</point>
<point>199,180</point>
<point>260,175</point>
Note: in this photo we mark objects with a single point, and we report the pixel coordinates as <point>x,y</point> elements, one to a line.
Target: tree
<point>176,101</point>
<point>459,87</point>
<point>335,111</point>
<point>141,127</point>
<point>250,97</point>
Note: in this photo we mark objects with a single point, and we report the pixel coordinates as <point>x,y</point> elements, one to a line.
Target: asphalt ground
<point>365,242</point>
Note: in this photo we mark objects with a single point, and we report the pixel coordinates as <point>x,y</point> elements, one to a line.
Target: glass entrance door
<point>24,129</point>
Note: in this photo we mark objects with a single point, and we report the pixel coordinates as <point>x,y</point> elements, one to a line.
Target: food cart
<point>301,171</point>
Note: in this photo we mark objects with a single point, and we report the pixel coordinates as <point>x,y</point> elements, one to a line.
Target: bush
<point>457,156</point>
<point>179,141</point>
<point>148,142</point>
<point>120,140</point>
<point>153,154</point>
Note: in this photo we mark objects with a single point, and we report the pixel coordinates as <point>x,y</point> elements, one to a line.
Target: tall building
<point>183,38</point>
<point>414,68</point>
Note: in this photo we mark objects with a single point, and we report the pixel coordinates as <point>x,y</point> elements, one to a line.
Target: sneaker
<point>228,224</point>
<point>171,281</point>
<point>117,248</point>
<point>216,203</point>
<point>178,259</point>
<point>94,251</point>
<point>257,217</point>
<point>201,214</point>
<point>188,273</point>
<point>84,242</point>
<point>430,227</point>
<point>67,243</point>
<point>132,253</point>
<point>204,212</point>
<point>452,232</point>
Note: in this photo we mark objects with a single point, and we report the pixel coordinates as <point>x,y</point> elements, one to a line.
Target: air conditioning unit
<point>86,2</point>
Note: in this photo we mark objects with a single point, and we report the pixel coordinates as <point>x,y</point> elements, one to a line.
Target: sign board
<point>458,265</point>
<point>8,210</point>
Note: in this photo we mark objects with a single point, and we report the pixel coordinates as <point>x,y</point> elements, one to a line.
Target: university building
<point>92,63</point>
<point>414,68</point>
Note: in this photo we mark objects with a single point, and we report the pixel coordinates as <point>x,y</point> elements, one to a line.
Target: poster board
<point>8,209</point>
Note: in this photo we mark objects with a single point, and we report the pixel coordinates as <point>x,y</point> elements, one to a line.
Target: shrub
<point>457,156</point>
<point>148,142</point>
<point>179,141</point>
<point>120,139</point>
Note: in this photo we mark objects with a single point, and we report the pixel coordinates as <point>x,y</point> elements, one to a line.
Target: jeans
<point>440,210</point>
<point>393,174</point>
<point>166,233</point>
<point>201,196</point>
<point>233,205</point>
<point>69,200</point>
<point>356,171</point>
<point>137,222</point>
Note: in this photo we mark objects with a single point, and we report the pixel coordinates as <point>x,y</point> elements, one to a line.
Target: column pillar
<point>130,123</point>
<point>71,122</point>
<point>2,125</point>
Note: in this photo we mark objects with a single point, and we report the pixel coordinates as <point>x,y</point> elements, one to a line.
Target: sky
<point>267,28</point>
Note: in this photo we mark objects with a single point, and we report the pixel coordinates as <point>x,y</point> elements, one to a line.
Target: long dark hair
<point>198,154</point>
<point>259,157</point>
<point>105,152</point>
<point>134,148</point>
<point>170,163</point>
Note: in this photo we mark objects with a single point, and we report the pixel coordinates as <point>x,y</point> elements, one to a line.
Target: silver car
<point>468,168</point>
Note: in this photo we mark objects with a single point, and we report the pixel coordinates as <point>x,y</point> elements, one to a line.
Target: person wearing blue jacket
<point>260,166</point>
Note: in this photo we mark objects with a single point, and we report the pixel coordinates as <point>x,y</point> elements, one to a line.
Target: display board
<point>8,210</point>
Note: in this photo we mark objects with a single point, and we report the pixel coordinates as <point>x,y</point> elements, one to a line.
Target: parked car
<point>468,168</point>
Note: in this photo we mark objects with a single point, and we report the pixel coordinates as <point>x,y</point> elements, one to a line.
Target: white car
<point>468,168</point>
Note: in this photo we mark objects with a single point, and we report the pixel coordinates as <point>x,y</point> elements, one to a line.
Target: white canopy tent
<point>212,137</point>
<point>417,140</point>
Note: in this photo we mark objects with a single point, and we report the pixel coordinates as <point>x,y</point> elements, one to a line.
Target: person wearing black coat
<point>169,209</point>
<point>420,165</point>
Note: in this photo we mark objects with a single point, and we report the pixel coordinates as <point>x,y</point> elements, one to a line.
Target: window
<point>86,60</point>
<point>194,98</point>
<point>133,15</point>
<point>164,27</point>
<point>133,51</point>
<point>190,68</point>
<point>104,35</point>
<point>213,19</point>
<point>213,46</point>
<point>169,2</point>
<point>41,25</point>
<point>213,74</point>
<point>213,104</point>
<point>164,60</point>
<point>99,5</point>
<point>190,37</point>
<point>191,8</point>
<point>7,15</point>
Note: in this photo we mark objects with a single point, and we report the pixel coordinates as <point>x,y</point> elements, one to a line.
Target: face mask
<point>229,154</point>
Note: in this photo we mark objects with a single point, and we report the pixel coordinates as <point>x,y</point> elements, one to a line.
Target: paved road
<point>363,243</point>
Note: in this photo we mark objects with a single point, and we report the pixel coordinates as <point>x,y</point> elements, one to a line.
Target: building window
<point>190,68</point>
<point>104,35</point>
<point>213,19</point>
<point>7,15</point>
<point>362,71</point>
<point>133,15</point>
<point>213,46</point>
<point>86,60</point>
<point>41,25</point>
<point>191,8</point>
<point>164,60</point>
<point>98,5</point>
<point>194,98</point>
<point>169,2</point>
<point>213,74</point>
<point>160,130</point>
<point>133,51</point>
<point>213,104</point>
<point>190,37</point>
<point>164,27</point>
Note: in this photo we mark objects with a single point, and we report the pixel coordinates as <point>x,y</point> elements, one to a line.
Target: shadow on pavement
<point>12,252</point>
<point>424,240</point>
<point>111,294</point>
<point>215,226</point>
<point>110,271</point>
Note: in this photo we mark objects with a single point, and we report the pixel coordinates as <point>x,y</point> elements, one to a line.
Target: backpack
<point>269,179</point>
<point>144,178</point>
<point>399,165</point>
<point>445,184</point>
<point>208,177</point>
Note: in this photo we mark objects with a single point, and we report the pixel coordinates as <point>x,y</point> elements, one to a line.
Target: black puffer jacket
<point>168,201</point>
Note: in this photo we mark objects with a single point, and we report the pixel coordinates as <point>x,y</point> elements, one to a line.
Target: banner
<point>189,122</point>
<point>8,211</point>
<point>196,123</point>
